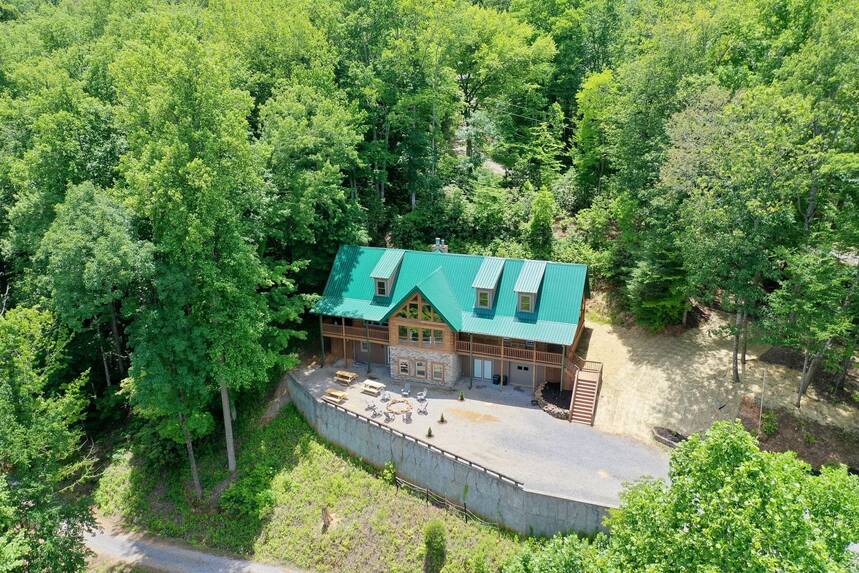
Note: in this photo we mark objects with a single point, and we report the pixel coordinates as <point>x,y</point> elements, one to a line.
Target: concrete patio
<point>500,429</point>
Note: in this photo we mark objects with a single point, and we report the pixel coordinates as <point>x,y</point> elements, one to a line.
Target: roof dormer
<point>384,274</point>
<point>528,285</point>
<point>486,282</point>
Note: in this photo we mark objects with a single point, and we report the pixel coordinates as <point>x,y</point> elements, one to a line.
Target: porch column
<point>501,381</point>
<point>534,371</point>
<point>369,348</point>
<point>343,325</point>
<point>471,357</point>
<point>321,342</point>
<point>563,365</point>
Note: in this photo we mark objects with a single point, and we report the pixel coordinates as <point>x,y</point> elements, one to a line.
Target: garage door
<point>520,374</point>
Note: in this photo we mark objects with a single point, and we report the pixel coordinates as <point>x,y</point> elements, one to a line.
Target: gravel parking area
<point>501,430</point>
<point>683,381</point>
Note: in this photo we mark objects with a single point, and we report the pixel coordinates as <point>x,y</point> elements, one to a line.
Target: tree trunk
<point>106,369</point>
<point>117,341</point>
<point>195,477</point>
<point>228,428</point>
<point>839,381</point>
<point>737,327</point>
<point>745,337</point>
<point>809,369</point>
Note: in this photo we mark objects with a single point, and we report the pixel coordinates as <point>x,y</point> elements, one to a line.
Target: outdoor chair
<point>408,416</point>
<point>388,417</point>
<point>422,407</point>
<point>421,396</point>
<point>407,389</point>
<point>386,396</point>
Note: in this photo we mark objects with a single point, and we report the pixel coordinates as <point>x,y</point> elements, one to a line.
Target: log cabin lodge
<point>436,317</point>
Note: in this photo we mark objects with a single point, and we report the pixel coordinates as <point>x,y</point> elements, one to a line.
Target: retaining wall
<point>490,496</point>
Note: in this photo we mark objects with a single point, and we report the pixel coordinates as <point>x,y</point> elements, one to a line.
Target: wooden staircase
<point>587,380</point>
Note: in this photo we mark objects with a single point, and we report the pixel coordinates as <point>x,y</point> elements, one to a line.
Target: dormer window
<point>384,274</point>
<point>486,282</point>
<point>526,302</point>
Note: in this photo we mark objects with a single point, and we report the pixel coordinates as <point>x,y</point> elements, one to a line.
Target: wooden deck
<point>509,353</point>
<point>371,333</point>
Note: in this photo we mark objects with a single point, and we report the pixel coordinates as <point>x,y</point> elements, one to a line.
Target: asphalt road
<point>152,553</point>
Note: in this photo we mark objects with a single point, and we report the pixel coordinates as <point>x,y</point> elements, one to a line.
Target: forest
<point>176,178</point>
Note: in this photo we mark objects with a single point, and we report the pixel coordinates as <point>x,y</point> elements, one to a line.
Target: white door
<point>478,368</point>
<point>487,369</point>
<point>482,369</point>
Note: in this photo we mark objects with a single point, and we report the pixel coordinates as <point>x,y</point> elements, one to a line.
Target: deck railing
<point>374,333</point>
<point>511,352</point>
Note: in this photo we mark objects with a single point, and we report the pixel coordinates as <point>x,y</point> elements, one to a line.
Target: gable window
<point>404,367</point>
<point>438,337</point>
<point>484,299</point>
<point>526,302</point>
<point>403,333</point>
<point>381,288</point>
<point>426,336</point>
<point>413,335</point>
<point>420,369</point>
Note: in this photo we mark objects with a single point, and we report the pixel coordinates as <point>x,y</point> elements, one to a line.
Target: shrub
<point>429,432</point>
<point>565,553</point>
<point>461,396</point>
<point>441,419</point>
<point>251,495</point>
<point>389,473</point>
<point>769,424</point>
<point>435,546</point>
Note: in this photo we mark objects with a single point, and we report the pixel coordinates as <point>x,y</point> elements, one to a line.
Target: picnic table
<point>345,377</point>
<point>372,388</point>
<point>335,396</point>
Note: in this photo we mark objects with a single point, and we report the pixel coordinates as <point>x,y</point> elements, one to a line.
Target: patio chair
<point>407,416</point>
<point>422,407</point>
<point>407,389</point>
<point>386,396</point>
<point>388,417</point>
<point>421,396</point>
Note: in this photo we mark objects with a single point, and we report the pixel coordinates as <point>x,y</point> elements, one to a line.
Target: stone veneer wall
<point>412,353</point>
<point>513,506</point>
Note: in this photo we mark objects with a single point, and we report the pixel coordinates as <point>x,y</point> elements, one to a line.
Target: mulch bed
<point>814,443</point>
<point>555,396</point>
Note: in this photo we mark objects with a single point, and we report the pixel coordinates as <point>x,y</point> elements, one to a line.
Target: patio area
<point>500,429</point>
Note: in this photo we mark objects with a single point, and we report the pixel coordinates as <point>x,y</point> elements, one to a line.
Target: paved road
<point>147,551</point>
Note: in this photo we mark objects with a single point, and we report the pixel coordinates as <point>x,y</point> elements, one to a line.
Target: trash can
<point>496,379</point>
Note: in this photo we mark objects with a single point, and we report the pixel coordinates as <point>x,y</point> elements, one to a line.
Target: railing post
<point>343,327</point>
<point>471,355</point>
<point>501,380</point>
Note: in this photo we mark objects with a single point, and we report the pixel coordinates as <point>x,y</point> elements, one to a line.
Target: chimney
<point>439,246</point>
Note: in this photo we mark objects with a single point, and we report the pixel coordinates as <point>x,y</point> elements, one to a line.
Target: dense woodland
<point>176,177</point>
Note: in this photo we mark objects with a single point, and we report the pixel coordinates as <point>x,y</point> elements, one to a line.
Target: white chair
<point>421,396</point>
<point>422,407</point>
<point>407,389</point>
<point>386,396</point>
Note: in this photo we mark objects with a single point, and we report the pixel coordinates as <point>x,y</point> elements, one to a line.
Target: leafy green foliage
<point>732,506</point>
<point>41,526</point>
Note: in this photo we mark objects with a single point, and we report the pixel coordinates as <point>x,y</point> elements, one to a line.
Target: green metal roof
<point>446,280</point>
<point>387,264</point>
<point>487,275</point>
<point>530,277</point>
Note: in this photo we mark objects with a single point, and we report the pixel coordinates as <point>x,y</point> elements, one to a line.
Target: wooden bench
<point>335,396</point>
<point>372,388</point>
<point>345,377</point>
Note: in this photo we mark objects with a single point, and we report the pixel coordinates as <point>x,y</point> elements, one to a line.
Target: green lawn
<point>287,474</point>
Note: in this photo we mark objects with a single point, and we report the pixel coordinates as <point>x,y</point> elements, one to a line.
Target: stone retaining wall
<point>495,499</point>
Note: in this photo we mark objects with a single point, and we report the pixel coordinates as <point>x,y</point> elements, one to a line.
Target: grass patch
<point>273,512</point>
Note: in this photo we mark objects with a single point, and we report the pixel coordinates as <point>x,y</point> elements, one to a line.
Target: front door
<point>482,368</point>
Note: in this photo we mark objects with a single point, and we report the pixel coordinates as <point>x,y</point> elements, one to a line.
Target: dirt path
<point>112,545</point>
<point>684,382</point>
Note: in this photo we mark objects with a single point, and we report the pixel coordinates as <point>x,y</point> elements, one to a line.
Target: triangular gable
<point>436,290</point>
